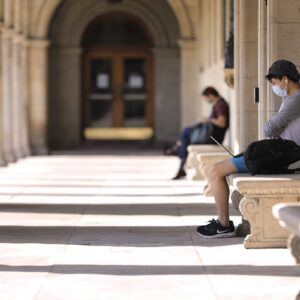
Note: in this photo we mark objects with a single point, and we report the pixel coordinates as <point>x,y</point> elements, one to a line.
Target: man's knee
<point>222,169</point>
<point>216,171</point>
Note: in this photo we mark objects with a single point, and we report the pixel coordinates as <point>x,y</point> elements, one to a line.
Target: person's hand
<point>279,133</point>
<point>203,119</point>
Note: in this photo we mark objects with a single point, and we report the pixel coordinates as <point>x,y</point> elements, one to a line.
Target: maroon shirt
<point>221,108</point>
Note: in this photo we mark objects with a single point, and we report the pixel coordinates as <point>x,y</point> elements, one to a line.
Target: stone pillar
<point>7,107</point>
<point>167,93</point>
<point>262,67</point>
<point>17,113</point>
<point>2,141</point>
<point>65,115</point>
<point>246,70</point>
<point>24,85</point>
<point>283,39</point>
<point>189,82</point>
<point>38,95</point>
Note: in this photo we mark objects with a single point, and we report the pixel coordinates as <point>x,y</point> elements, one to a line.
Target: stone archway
<point>44,15</point>
<point>63,23</point>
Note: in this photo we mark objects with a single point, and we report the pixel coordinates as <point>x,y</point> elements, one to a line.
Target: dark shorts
<point>239,164</point>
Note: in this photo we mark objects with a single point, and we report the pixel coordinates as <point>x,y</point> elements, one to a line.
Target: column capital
<point>187,44</point>
<point>38,43</point>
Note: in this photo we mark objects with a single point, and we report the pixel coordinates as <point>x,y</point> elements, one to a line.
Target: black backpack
<point>271,156</point>
<point>201,134</point>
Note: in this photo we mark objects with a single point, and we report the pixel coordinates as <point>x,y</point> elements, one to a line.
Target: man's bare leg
<point>220,188</point>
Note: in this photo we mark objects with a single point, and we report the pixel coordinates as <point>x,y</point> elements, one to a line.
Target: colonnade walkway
<point>115,227</point>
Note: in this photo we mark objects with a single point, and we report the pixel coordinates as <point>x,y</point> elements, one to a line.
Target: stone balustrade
<point>289,217</point>
<point>259,194</point>
<point>205,162</point>
<point>192,161</point>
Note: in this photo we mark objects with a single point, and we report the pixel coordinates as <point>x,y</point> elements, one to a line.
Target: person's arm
<point>289,111</point>
<point>221,121</point>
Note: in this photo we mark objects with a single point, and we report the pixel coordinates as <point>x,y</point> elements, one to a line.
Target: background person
<point>219,117</point>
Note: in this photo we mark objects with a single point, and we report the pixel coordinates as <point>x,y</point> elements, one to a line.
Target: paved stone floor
<point>115,227</point>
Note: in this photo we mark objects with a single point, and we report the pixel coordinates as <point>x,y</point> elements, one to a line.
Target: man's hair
<point>274,76</point>
<point>210,91</point>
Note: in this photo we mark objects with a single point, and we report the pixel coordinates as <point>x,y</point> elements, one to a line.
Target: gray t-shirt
<point>287,119</point>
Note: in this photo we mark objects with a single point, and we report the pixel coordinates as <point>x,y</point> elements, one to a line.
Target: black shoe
<point>215,230</point>
<point>181,173</point>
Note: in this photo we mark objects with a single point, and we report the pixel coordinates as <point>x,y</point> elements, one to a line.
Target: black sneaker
<point>181,173</point>
<point>215,230</point>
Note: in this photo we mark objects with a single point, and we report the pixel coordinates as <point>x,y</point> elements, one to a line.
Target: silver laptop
<point>221,146</point>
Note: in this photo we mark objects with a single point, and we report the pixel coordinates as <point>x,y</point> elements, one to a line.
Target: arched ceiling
<point>42,22</point>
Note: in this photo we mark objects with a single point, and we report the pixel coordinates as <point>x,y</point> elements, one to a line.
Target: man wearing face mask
<point>219,118</point>
<point>284,78</point>
<point>285,83</point>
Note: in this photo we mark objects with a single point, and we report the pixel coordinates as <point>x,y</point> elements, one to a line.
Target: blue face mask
<point>278,91</point>
<point>210,101</point>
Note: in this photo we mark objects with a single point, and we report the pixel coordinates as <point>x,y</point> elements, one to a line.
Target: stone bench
<point>205,162</point>
<point>192,161</point>
<point>258,194</point>
<point>289,217</point>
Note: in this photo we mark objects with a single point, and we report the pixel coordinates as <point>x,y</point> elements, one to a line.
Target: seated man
<point>285,78</point>
<point>219,118</point>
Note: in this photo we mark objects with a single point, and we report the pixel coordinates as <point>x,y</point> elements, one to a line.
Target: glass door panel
<point>134,92</point>
<point>101,92</point>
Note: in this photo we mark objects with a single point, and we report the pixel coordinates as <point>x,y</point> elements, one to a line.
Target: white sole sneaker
<point>218,236</point>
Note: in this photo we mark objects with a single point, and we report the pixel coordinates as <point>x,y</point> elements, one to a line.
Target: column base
<point>19,154</point>
<point>26,152</point>
<point>3,162</point>
<point>9,157</point>
<point>40,150</point>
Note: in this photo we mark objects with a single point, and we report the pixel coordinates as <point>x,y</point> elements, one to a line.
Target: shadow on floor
<point>144,195</point>
<point>163,209</point>
<point>124,236</point>
<point>132,270</point>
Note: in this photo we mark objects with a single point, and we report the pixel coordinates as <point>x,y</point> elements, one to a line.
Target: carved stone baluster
<point>249,208</point>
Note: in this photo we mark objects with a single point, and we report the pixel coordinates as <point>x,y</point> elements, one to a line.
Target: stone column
<point>64,111</point>
<point>167,93</point>
<point>38,95</point>
<point>17,111</point>
<point>24,85</point>
<point>283,39</point>
<point>24,77</point>
<point>262,67</point>
<point>9,153</point>
<point>189,82</point>
<point>2,141</point>
<point>246,70</point>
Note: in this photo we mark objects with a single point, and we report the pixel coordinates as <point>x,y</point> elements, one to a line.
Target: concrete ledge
<point>289,217</point>
<point>192,162</point>
<point>205,162</point>
<point>259,194</point>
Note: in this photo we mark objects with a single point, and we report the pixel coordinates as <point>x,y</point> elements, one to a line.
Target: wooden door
<point>118,89</point>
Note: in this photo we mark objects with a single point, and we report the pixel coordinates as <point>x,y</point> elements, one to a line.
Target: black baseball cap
<point>283,67</point>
